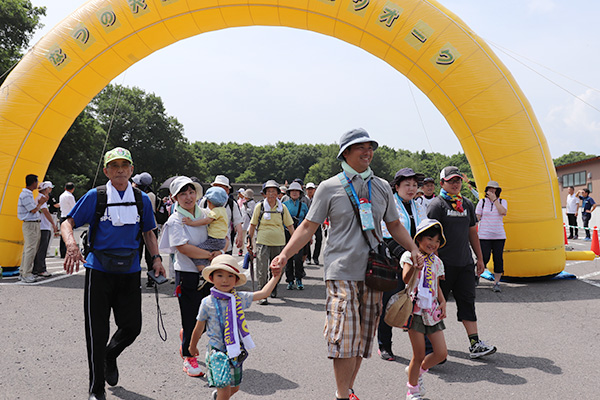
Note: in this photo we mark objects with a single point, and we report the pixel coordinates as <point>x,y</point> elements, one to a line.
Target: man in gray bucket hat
<point>353,308</point>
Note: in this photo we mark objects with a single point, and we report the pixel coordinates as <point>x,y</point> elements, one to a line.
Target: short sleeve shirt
<point>346,253</point>
<point>432,316</point>
<point>271,231</point>
<point>457,251</point>
<point>491,224</point>
<point>109,237</point>
<point>175,233</point>
<point>208,312</point>
<point>45,224</point>
<point>218,228</point>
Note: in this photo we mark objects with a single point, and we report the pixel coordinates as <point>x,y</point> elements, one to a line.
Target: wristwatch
<point>154,257</point>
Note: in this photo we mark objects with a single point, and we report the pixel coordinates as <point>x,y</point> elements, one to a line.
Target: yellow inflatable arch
<point>421,39</point>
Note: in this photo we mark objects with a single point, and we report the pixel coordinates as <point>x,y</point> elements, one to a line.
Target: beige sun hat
<point>227,263</point>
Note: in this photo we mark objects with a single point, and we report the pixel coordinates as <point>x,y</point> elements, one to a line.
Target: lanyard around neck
<point>354,194</point>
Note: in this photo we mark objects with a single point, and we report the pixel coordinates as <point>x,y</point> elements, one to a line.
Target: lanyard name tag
<point>366,215</point>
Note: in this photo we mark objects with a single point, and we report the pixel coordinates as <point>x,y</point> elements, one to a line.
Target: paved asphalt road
<point>547,334</point>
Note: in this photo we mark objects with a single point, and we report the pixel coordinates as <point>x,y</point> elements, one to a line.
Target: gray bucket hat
<point>270,184</point>
<point>353,137</point>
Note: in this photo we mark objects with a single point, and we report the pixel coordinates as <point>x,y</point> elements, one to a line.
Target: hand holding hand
<point>278,264</point>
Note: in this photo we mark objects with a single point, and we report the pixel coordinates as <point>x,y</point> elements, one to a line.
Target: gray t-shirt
<point>346,251</point>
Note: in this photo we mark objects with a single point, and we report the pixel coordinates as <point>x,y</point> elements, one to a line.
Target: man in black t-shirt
<point>457,216</point>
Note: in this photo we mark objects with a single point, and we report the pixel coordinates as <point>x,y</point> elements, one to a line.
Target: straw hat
<point>227,263</point>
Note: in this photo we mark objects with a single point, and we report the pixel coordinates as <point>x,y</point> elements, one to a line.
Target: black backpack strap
<point>102,204</point>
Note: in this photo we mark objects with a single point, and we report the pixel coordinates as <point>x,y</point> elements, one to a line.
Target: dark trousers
<point>104,292</point>
<point>62,245</point>
<point>294,269</point>
<point>39,263</point>
<point>147,255</point>
<point>585,217</point>
<point>495,248</point>
<point>318,244</point>
<point>189,298</point>
<point>572,225</point>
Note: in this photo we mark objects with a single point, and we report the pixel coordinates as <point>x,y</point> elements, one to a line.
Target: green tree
<point>19,19</point>
<point>572,157</point>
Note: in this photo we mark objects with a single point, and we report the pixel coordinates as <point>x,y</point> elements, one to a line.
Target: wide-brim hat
<point>118,153</point>
<point>249,193</point>
<point>353,137</point>
<point>227,263</point>
<point>181,181</point>
<point>221,180</point>
<point>429,223</point>
<point>493,184</point>
<point>270,184</point>
<point>295,186</point>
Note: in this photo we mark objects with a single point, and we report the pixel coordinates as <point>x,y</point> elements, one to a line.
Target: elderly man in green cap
<point>118,215</point>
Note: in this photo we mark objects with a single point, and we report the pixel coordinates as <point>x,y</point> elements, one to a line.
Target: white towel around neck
<point>268,210</point>
<point>121,215</point>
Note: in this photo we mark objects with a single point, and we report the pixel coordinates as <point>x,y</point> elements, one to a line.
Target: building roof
<point>578,162</point>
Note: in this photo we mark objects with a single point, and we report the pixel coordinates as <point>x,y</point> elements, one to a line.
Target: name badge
<point>366,215</point>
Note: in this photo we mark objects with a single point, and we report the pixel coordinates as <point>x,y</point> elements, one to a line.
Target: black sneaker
<point>111,372</point>
<point>481,349</point>
<point>386,354</point>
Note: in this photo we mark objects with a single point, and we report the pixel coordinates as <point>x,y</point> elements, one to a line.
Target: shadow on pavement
<point>123,393</point>
<point>258,383</point>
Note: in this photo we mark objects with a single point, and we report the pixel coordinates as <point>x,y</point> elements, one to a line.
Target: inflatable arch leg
<point>421,39</point>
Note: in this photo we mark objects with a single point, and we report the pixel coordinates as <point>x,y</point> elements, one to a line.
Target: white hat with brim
<point>428,223</point>
<point>45,185</point>
<point>355,136</point>
<point>310,185</point>
<point>295,186</point>
<point>221,180</point>
<point>227,263</point>
<point>181,181</point>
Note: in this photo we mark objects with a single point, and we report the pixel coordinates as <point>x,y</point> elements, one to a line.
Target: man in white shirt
<point>66,202</point>
<point>572,208</point>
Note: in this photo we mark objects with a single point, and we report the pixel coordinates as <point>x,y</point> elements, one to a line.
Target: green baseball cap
<point>118,153</point>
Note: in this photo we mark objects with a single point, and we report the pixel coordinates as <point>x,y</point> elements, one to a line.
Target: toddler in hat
<point>217,221</point>
<point>429,306</point>
<point>222,315</point>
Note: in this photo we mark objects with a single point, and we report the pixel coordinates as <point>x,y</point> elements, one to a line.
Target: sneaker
<point>111,372</point>
<point>263,302</point>
<point>191,367</point>
<point>290,286</point>
<point>274,292</point>
<point>352,396</point>
<point>28,279</point>
<point>496,288</point>
<point>45,274</point>
<point>414,396</point>
<point>421,384</point>
<point>386,354</point>
<point>240,253</point>
<point>481,349</point>
<point>299,284</point>
<point>587,239</point>
<point>214,394</point>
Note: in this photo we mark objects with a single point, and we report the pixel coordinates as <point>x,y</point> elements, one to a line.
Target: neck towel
<point>267,208</point>
<point>346,167</point>
<point>186,213</point>
<point>121,215</point>
<point>426,284</point>
<point>235,333</point>
<point>455,199</point>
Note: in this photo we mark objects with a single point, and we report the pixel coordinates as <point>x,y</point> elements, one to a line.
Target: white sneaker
<point>481,349</point>
<point>191,367</point>
<point>28,279</point>
<point>421,385</point>
<point>414,396</point>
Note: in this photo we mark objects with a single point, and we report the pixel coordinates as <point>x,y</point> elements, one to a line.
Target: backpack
<point>101,205</point>
<point>162,212</point>
<point>262,212</point>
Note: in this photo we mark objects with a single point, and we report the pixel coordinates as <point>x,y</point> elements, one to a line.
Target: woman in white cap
<point>183,241</point>
<point>47,227</point>
<point>490,212</point>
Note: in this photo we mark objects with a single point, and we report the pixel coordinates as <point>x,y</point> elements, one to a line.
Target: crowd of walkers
<point>433,236</point>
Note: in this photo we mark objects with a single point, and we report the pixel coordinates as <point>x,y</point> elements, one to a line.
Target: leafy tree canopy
<point>572,157</point>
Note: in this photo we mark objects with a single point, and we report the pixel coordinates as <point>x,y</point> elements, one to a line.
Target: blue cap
<point>217,195</point>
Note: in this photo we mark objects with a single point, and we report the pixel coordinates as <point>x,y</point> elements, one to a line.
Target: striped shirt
<point>491,225</point>
<point>25,205</point>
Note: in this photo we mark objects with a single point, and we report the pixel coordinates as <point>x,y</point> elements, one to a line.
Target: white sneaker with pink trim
<point>191,367</point>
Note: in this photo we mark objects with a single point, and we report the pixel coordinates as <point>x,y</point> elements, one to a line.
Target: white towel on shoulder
<point>267,208</point>
<point>121,215</point>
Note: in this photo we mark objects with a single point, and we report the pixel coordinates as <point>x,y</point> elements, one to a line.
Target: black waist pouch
<point>116,260</point>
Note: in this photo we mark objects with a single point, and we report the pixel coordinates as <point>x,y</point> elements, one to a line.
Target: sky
<point>262,85</point>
